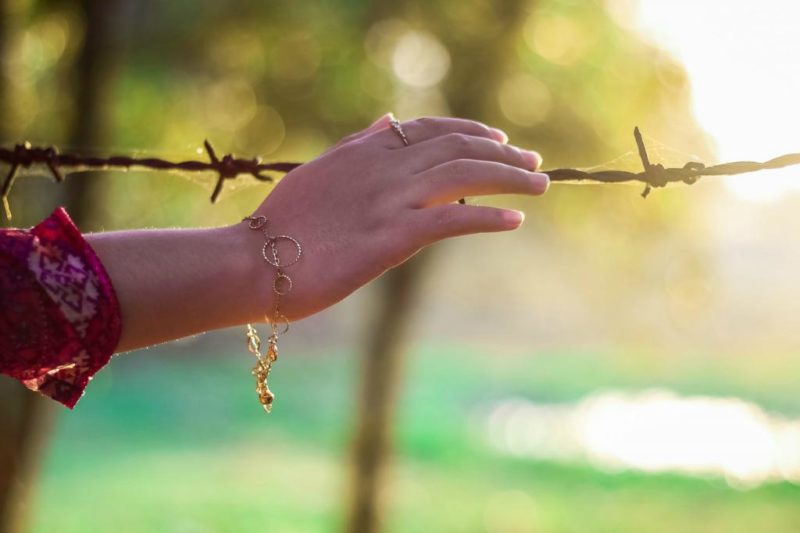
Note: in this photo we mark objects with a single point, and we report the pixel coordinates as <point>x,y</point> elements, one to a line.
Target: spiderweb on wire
<point>658,151</point>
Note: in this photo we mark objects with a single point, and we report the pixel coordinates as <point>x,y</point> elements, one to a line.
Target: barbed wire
<point>229,167</point>
<point>24,155</point>
<point>655,175</point>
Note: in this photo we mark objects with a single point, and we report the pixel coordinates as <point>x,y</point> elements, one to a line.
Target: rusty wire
<point>24,155</point>
<point>229,167</point>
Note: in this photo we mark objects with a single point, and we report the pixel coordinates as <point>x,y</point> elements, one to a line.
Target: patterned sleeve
<point>59,319</point>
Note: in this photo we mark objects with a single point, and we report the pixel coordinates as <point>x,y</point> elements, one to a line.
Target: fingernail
<point>499,135</point>
<point>532,158</point>
<point>541,181</point>
<point>513,218</point>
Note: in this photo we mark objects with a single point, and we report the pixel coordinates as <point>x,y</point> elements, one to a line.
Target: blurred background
<point>617,364</point>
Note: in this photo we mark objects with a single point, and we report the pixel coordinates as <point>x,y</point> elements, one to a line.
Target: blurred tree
<point>25,417</point>
<point>18,406</point>
<point>477,68</point>
<point>4,27</point>
<point>94,72</point>
<point>384,350</point>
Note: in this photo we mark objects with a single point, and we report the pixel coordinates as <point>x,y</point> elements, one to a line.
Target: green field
<point>166,440</point>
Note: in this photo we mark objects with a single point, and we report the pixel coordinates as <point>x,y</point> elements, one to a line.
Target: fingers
<point>425,128</point>
<point>456,179</point>
<point>451,220</point>
<point>453,146</point>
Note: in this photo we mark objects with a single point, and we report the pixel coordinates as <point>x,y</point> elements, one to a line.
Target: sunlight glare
<point>741,59</point>
<point>654,431</point>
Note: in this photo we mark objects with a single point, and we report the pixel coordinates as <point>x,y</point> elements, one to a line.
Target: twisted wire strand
<point>655,175</point>
<point>24,155</point>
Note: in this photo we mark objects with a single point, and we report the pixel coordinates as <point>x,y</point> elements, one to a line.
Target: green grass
<point>177,443</point>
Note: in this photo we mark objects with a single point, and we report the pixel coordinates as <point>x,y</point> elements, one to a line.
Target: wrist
<point>249,275</point>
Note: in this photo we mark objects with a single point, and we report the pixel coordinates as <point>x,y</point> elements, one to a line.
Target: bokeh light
<point>655,431</point>
<point>525,100</point>
<point>420,60</point>
<point>557,38</point>
<point>745,80</point>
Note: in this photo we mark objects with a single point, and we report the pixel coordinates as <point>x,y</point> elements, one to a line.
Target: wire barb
<point>637,135</point>
<point>655,175</point>
<point>24,155</point>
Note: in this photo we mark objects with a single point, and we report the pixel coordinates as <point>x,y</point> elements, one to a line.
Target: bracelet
<point>281,285</point>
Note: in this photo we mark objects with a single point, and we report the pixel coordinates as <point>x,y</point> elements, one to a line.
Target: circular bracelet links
<point>281,285</point>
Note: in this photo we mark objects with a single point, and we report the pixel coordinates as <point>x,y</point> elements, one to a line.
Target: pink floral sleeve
<point>59,319</point>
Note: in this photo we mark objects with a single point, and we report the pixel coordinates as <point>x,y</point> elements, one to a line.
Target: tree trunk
<point>26,417</point>
<point>19,423</point>
<point>4,28</point>
<point>93,71</point>
<point>380,378</point>
<point>478,65</point>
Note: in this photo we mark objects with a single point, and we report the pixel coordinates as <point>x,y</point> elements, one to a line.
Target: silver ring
<point>398,129</point>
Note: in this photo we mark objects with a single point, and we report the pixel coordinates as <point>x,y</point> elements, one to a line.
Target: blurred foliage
<point>287,79</point>
<point>178,459</point>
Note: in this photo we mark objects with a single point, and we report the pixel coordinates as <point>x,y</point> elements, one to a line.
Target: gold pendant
<point>263,366</point>
<point>272,348</point>
<point>265,396</point>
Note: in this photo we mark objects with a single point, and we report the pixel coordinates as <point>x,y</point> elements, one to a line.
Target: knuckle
<point>456,167</point>
<point>514,152</point>
<point>459,141</point>
<point>480,127</point>
<point>425,123</point>
<point>443,219</point>
<point>522,181</point>
<point>518,174</point>
<point>446,174</point>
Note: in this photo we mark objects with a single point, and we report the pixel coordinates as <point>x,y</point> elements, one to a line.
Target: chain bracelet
<point>279,324</point>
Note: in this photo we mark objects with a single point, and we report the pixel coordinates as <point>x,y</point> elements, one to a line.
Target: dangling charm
<point>272,348</point>
<point>261,372</point>
<point>263,366</point>
<point>253,341</point>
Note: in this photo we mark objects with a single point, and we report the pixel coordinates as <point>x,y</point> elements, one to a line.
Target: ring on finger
<point>398,129</point>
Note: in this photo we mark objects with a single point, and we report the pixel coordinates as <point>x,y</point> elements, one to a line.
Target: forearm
<point>172,283</point>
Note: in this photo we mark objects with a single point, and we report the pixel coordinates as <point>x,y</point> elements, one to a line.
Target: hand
<point>369,203</point>
<point>365,205</point>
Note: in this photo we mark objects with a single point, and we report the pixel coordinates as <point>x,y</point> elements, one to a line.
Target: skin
<point>362,207</point>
